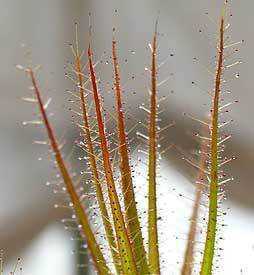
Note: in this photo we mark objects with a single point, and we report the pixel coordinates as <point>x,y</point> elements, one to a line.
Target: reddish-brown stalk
<point>96,253</point>
<point>153,249</point>
<point>189,252</point>
<point>93,164</point>
<point>125,250</point>
<point>132,219</point>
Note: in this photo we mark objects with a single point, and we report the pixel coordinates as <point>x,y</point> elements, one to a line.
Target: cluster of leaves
<point>117,210</point>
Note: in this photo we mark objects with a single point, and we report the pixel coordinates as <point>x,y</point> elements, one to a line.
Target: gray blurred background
<point>27,215</point>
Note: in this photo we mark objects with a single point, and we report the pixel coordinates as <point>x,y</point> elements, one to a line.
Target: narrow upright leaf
<point>93,165</point>
<point>153,249</point>
<point>124,246</point>
<point>132,218</point>
<point>96,253</point>
<point>207,263</point>
<point>189,252</point>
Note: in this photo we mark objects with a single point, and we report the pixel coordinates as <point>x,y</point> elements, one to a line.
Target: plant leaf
<point>189,252</point>
<point>97,256</point>
<point>207,263</point>
<point>93,164</point>
<point>153,249</point>
<point>124,245</point>
<point>132,218</point>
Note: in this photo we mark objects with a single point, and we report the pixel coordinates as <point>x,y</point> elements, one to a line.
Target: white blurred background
<point>29,224</point>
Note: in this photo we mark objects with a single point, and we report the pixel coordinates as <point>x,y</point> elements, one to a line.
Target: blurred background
<point>29,225</point>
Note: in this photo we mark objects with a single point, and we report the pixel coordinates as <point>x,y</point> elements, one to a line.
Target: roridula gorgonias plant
<point>103,198</point>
